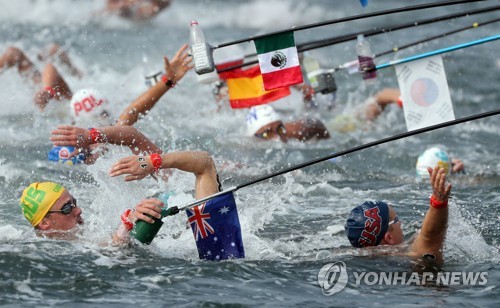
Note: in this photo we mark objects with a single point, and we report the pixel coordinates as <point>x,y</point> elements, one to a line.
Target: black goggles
<point>66,208</point>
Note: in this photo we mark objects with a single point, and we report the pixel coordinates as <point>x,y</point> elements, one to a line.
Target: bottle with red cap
<point>201,51</point>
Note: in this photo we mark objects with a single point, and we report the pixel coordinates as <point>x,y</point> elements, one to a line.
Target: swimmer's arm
<point>118,135</point>
<point>431,238</point>
<point>387,96</point>
<point>198,163</point>
<point>304,130</point>
<point>142,105</point>
<point>175,71</point>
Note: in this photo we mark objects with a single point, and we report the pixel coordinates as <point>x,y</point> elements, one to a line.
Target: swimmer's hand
<point>179,65</point>
<point>146,209</point>
<point>71,135</point>
<point>440,189</point>
<point>77,137</point>
<point>137,167</point>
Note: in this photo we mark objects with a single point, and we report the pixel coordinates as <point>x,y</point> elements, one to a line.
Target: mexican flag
<point>278,60</point>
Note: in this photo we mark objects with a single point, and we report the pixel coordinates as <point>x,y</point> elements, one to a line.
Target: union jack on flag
<point>216,229</point>
<point>199,219</point>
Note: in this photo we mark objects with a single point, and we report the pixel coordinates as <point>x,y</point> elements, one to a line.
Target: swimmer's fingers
<point>71,135</point>
<point>130,178</point>
<point>181,53</point>
<point>147,208</point>
<point>440,189</point>
<point>137,166</point>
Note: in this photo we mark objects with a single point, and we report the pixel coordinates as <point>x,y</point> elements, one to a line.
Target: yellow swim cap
<point>38,198</point>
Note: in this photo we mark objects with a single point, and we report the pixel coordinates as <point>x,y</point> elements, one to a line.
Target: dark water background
<point>293,224</point>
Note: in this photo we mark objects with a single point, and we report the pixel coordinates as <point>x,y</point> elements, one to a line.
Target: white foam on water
<point>464,243</point>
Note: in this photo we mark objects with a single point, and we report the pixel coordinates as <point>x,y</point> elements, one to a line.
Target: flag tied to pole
<point>424,92</point>
<point>246,88</point>
<point>278,60</point>
<point>216,228</point>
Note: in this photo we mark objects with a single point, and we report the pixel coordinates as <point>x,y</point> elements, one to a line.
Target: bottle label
<point>203,59</point>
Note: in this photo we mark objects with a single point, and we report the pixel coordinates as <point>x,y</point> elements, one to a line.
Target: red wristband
<point>400,102</point>
<point>126,222</point>
<point>156,161</point>
<point>96,136</point>
<point>438,204</point>
<point>168,82</point>
<point>51,91</point>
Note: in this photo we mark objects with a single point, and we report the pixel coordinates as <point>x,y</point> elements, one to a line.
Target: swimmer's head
<point>432,157</point>
<point>260,116</point>
<point>367,224</point>
<point>87,107</point>
<point>38,198</point>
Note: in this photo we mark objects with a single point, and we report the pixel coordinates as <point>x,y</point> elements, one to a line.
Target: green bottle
<point>145,232</point>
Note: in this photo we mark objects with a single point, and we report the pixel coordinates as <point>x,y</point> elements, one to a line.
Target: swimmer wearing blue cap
<point>377,224</point>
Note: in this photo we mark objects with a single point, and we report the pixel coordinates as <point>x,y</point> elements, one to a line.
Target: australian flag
<point>216,228</point>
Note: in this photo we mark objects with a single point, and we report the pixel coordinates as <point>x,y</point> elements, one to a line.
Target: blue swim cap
<point>61,155</point>
<point>367,224</point>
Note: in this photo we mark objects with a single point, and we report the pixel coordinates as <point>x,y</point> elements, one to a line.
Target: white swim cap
<point>86,106</point>
<point>259,116</point>
<point>432,157</point>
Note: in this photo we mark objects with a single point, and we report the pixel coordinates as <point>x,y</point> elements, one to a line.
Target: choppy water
<point>292,225</point>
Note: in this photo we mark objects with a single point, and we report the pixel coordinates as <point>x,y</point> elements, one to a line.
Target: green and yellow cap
<point>38,198</point>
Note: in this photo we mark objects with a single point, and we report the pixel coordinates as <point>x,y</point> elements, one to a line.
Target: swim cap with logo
<point>367,224</point>
<point>259,116</point>
<point>86,106</point>
<point>61,154</point>
<point>38,198</point>
<point>432,157</point>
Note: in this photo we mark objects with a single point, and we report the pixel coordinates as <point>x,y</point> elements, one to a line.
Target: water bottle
<point>201,51</point>
<point>365,58</point>
<point>320,79</point>
<point>310,64</point>
<point>145,232</point>
<point>151,76</point>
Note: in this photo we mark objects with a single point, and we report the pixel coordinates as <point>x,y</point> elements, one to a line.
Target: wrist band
<point>156,161</point>
<point>50,90</point>
<point>126,222</point>
<point>168,82</point>
<point>438,204</point>
<point>97,136</point>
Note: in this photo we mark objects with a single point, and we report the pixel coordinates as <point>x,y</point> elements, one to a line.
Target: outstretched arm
<point>82,138</point>
<point>382,99</point>
<point>198,163</point>
<point>307,129</point>
<point>431,238</point>
<point>175,71</point>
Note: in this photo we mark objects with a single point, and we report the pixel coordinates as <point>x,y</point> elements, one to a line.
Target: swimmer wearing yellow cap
<point>50,208</point>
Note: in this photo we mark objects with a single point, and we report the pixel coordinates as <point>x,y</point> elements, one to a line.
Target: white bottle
<point>201,51</point>
<point>311,67</point>
<point>365,58</point>
<point>151,75</point>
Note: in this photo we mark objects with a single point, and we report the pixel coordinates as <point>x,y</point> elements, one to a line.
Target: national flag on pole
<point>216,228</point>
<point>278,60</point>
<point>424,92</point>
<point>246,88</point>
<point>228,64</point>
